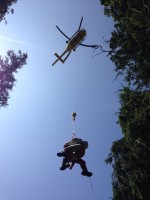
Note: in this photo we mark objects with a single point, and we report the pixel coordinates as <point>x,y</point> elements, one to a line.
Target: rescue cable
<point>74,114</point>
<point>73,124</point>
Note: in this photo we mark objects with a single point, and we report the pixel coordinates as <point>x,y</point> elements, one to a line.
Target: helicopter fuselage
<point>72,43</point>
<point>76,40</point>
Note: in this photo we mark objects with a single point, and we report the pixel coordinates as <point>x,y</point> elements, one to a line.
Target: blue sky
<point>38,120</point>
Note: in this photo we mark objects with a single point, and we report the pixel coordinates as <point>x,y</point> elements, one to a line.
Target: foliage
<point>11,63</point>
<point>131,175</point>
<point>130,155</point>
<point>129,50</point>
<point>8,66</point>
<point>134,115</point>
<point>5,8</point>
<point>130,41</point>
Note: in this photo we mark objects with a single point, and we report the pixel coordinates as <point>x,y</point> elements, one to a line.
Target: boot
<point>60,154</point>
<point>86,173</point>
<point>64,167</point>
<point>65,164</point>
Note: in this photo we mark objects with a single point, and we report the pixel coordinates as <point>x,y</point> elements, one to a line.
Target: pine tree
<point>8,66</point>
<point>5,8</point>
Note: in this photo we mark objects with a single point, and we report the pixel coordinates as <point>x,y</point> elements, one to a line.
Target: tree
<point>134,114</point>
<point>11,63</point>
<point>5,8</point>
<point>8,66</point>
<point>119,158</point>
<point>129,48</point>
<point>130,41</point>
<point>130,178</point>
<point>130,155</point>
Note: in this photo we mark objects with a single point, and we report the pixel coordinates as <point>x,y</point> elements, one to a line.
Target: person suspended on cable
<point>73,152</point>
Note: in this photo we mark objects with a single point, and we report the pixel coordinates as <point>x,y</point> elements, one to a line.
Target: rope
<point>73,121</point>
<point>91,184</point>
<point>73,132</point>
<point>73,135</point>
<point>73,124</point>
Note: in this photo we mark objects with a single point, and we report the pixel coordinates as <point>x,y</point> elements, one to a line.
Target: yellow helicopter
<point>73,42</point>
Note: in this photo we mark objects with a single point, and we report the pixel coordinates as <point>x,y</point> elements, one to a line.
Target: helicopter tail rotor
<point>80,23</point>
<point>59,57</point>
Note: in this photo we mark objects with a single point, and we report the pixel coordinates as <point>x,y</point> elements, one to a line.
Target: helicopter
<point>73,42</point>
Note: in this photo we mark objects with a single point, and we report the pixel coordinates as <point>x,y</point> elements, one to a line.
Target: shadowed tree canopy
<point>5,8</point>
<point>8,66</point>
<point>130,155</point>
<point>134,114</point>
<point>130,41</point>
<point>129,50</point>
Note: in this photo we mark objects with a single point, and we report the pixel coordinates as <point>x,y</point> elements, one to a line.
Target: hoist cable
<point>73,121</point>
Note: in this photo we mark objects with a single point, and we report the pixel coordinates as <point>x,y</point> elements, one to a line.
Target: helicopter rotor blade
<point>63,33</point>
<point>80,23</point>
<point>92,46</point>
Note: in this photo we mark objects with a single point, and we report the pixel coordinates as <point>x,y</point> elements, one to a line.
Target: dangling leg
<point>84,168</point>
<point>65,164</point>
<point>67,156</point>
<point>71,164</point>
